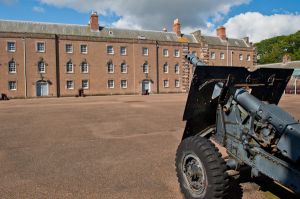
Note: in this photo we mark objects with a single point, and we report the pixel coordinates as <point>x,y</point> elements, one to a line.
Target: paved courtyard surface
<point>101,147</point>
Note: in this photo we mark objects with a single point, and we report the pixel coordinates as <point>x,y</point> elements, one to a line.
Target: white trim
<point>121,83</point>
<point>70,52</point>
<point>241,57</point>
<point>11,41</point>
<point>81,49</point>
<point>113,85</point>
<point>9,88</point>
<point>37,49</point>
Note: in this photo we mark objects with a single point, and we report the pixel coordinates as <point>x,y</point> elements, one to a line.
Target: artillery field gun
<point>238,110</point>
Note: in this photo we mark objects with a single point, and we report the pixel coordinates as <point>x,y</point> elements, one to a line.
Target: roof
<point>220,42</point>
<point>288,65</point>
<point>84,30</point>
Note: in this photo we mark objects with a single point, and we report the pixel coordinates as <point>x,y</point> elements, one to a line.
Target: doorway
<point>146,87</point>
<point>42,88</point>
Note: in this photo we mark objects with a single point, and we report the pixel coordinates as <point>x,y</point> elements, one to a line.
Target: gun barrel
<point>194,60</point>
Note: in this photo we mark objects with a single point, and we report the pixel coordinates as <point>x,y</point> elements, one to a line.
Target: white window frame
<point>8,48</point>
<point>176,53</point>
<point>37,47</point>
<point>121,85</point>
<point>40,71</point>
<point>177,69</point>
<point>110,50</point>
<point>69,62</point>
<point>125,51</point>
<point>145,51</point>
<point>165,52</point>
<point>212,55</point>
<point>82,84</point>
<point>222,55</point>
<point>72,85</point>
<point>108,83</point>
<point>108,68</point>
<point>84,52</point>
<point>166,66</point>
<point>81,67</point>
<point>177,83</point>
<point>248,57</point>
<point>125,65</point>
<point>241,57</point>
<point>166,83</point>
<point>71,49</point>
<point>146,66</point>
<point>15,85</point>
<point>15,67</point>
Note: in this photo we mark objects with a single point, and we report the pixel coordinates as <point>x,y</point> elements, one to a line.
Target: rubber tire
<point>213,164</point>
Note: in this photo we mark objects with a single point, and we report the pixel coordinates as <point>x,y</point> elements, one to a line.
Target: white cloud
<point>259,27</point>
<point>154,14</point>
<point>38,9</point>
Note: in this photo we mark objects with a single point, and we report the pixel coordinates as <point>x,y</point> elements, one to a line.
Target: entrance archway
<point>146,86</point>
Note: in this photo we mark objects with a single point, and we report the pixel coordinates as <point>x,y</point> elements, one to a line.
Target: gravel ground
<point>102,147</point>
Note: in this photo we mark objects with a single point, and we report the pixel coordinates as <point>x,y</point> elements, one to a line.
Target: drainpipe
<point>227,53</point>
<point>24,63</point>
<point>57,65</point>
<point>157,67</point>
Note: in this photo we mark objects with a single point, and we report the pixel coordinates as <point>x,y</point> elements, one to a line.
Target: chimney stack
<point>221,32</point>
<point>94,23</point>
<point>176,27</point>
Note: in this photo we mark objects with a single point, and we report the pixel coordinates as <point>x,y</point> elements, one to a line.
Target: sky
<point>257,19</point>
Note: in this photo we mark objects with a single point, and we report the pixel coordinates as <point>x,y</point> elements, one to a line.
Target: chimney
<point>94,23</point>
<point>176,27</point>
<point>221,32</point>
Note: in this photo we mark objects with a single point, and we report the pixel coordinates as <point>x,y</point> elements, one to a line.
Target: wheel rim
<point>194,174</point>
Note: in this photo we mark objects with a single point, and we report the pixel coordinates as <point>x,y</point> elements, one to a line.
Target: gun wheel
<point>201,171</point>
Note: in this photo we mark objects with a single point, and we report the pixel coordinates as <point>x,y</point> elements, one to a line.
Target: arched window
<point>145,68</point>
<point>166,68</point>
<point>41,67</point>
<point>176,68</point>
<point>84,67</point>
<point>123,67</point>
<point>69,67</point>
<point>110,67</point>
<point>12,68</point>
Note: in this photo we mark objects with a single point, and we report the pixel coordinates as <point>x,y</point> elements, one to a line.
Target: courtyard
<point>100,147</point>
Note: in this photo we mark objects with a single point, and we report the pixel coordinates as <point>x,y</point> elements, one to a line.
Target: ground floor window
<point>110,83</point>
<point>123,83</point>
<point>166,83</point>
<point>70,84</point>
<point>85,84</point>
<point>177,83</point>
<point>12,85</point>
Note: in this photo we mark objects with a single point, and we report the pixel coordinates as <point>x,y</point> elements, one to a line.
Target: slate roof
<point>293,64</point>
<point>84,30</point>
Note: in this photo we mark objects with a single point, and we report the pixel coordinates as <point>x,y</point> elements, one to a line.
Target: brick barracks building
<point>41,59</point>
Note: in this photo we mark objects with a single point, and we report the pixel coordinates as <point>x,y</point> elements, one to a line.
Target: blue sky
<point>240,17</point>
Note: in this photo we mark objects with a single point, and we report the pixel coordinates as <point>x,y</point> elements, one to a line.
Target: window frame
<point>126,85</point>
<point>15,46</point>
<point>212,55</point>
<point>37,46</point>
<point>241,57</point>
<point>167,52</point>
<point>108,51</point>
<point>70,88</point>
<point>113,83</point>
<point>146,66</point>
<point>125,52</point>
<point>82,52</point>
<point>147,51</point>
<point>177,81</point>
<point>66,48</point>
<point>9,85</point>
<point>176,50</point>
<point>82,83</point>
<point>248,57</point>
<point>166,66</point>
<point>39,71</point>
<point>15,67</point>
<point>81,67</point>
<point>123,64</point>
<point>177,71</point>
<point>166,85</point>
<point>222,55</point>
<point>69,62</point>
<point>108,68</point>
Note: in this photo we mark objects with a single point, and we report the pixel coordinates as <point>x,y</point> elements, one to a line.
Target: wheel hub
<point>194,174</point>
